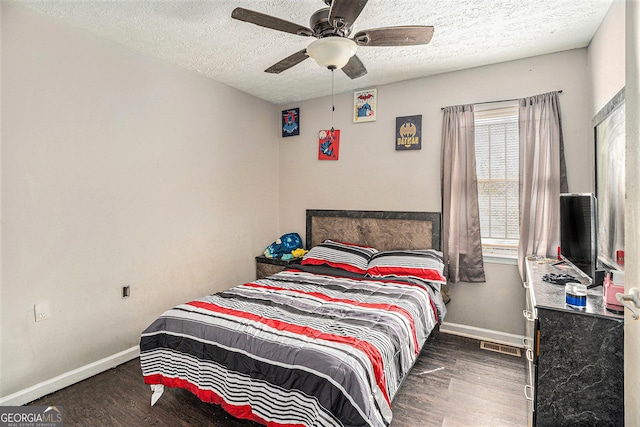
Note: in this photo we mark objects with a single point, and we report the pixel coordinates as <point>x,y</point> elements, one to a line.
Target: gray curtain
<point>462,247</point>
<point>543,175</point>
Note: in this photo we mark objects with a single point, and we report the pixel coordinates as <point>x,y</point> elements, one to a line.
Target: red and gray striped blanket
<point>296,348</point>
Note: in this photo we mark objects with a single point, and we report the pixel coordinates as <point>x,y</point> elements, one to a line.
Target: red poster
<point>328,144</point>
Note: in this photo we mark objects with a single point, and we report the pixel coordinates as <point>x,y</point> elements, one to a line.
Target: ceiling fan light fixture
<point>332,52</point>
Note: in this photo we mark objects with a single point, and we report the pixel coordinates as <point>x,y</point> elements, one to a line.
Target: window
<point>497,164</point>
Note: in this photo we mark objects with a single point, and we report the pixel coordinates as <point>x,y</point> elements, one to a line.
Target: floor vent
<point>500,348</point>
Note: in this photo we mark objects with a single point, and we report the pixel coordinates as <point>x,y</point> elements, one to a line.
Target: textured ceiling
<point>201,36</point>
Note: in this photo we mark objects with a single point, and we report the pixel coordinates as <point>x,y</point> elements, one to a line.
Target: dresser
<point>575,369</point>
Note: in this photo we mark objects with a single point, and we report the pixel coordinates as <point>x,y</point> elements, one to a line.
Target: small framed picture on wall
<point>328,144</point>
<point>365,105</point>
<point>291,122</point>
<point>409,133</point>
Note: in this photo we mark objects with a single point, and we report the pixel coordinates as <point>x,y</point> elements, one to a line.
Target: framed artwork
<point>609,130</point>
<point>291,122</point>
<point>328,144</point>
<point>409,133</point>
<point>365,104</point>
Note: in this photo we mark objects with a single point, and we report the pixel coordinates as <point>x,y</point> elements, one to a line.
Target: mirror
<point>609,128</point>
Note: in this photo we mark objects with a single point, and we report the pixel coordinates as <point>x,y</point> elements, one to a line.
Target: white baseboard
<point>34,392</point>
<point>482,334</point>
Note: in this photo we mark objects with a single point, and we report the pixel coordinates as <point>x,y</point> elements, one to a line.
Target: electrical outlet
<point>42,311</point>
<point>126,291</point>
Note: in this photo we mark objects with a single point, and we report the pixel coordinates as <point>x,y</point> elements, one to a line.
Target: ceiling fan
<point>332,26</point>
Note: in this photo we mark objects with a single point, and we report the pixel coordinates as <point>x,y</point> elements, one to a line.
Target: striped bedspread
<point>296,348</point>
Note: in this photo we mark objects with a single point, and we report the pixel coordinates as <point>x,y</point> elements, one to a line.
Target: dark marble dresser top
<point>551,296</point>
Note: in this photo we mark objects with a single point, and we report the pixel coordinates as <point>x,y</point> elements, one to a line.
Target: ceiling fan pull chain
<point>333,105</point>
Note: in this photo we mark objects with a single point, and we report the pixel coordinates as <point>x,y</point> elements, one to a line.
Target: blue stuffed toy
<point>283,246</point>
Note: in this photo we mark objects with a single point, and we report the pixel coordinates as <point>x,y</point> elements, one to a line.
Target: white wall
<point>118,169</point>
<point>607,57</point>
<point>370,174</point>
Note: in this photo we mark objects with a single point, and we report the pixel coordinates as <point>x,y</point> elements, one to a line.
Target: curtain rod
<point>502,100</point>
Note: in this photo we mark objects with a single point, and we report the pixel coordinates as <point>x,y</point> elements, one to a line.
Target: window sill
<point>500,259</point>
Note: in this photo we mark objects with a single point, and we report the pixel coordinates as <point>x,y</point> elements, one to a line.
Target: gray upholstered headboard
<point>383,230</point>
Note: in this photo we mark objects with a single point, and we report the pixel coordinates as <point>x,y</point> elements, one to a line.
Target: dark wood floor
<point>453,383</point>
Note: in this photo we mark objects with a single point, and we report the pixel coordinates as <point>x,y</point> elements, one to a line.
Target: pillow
<point>347,256</point>
<point>423,264</point>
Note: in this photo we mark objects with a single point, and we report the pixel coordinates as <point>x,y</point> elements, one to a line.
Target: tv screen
<point>578,231</point>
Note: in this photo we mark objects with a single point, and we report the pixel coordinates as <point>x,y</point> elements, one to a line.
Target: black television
<point>578,231</point>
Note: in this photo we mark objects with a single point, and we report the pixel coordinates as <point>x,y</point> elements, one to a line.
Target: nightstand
<point>268,266</point>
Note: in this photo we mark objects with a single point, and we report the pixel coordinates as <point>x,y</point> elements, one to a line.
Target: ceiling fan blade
<point>394,36</point>
<point>269,21</point>
<point>343,13</point>
<point>354,68</point>
<point>288,62</point>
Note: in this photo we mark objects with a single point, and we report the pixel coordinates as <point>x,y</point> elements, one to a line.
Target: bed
<point>324,343</point>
